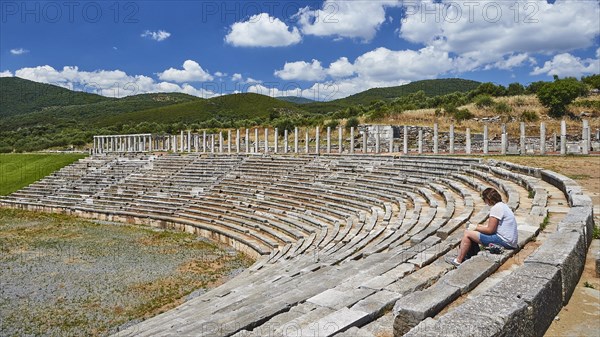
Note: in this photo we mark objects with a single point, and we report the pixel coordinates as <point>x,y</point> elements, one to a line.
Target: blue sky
<point>320,50</point>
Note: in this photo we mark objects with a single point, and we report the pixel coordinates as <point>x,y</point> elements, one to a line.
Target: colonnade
<point>353,140</point>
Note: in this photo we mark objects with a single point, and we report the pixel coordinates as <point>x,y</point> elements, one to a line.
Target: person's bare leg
<point>468,238</point>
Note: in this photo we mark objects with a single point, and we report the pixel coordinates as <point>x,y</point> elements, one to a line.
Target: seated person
<point>500,230</point>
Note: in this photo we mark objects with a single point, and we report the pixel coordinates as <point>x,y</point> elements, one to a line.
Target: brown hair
<point>491,195</point>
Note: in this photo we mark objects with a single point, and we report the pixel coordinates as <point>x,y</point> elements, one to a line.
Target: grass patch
<point>65,276</point>
<point>596,233</point>
<point>545,222</point>
<point>20,170</point>
<point>588,285</point>
<point>578,176</point>
<point>531,194</point>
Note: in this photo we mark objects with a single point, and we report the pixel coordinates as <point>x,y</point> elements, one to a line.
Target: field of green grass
<point>19,170</point>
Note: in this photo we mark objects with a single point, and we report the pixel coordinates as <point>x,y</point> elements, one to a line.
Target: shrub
<point>519,101</point>
<point>484,101</point>
<point>560,93</point>
<point>503,108</point>
<point>529,116</point>
<point>462,114</point>
<point>332,124</point>
<point>352,122</point>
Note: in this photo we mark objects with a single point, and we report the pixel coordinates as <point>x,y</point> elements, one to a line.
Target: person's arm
<point>491,227</point>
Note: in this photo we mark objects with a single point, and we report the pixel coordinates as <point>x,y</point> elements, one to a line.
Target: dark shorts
<point>486,239</point>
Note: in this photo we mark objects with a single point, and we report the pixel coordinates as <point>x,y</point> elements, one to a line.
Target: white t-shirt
<point>507,224</point>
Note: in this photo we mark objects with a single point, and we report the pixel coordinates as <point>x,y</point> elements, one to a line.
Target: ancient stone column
<point>365,137</point>
<point>340,139</point>
<point>451,138</point>
<point>542,138</point>
<point>306,141</point>
<point>181,142</point>
<point>285,141</point>
<point>486,141</point>
<point>295,139</point>
<point>554,142</point>
<point>420,141</point>
<point>276,141</point>
<point>522,139</point>
<point>237,140</point>
<point>212,143</point>
<point>196,143</point>
<point>266,140</point>
<point>329,139</point>
<point>563,137</point>
<point>405,141</point>
<point>435,138</point>
<point>256,140</point>
<point>247,141</point>
<point>504,139</point>
<point>204,141</point>
<point>228,141</point>
<point>377,139</point>
<point>318,143</point>
<point>351,139</point>
<point>189,141</point>
<point>220,141</point>
<point>391,140</point>
<point>468,141</point>
<point>585,140</point>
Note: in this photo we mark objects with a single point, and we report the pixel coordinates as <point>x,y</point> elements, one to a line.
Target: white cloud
<point>262,30</point>
<point>512,61</point>
<point>568,65</point>
<point>302,71</point>
<point>383,64</point>
<point>220,74</point>
<point>381,67</point>
<point>5,73</point>
<point>192,72</point>
<point>345,19</point>
<point>236,77</point>
<point>111,83</point>
<point>19,51</point>
<point>598,53</point>
<point>485,32</point>
<point>160,35</point>
<point>341,68</point>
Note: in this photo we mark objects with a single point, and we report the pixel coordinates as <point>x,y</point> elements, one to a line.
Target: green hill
<point>430,87</point>
<point>19,96</point>
<point>295,99</point>
<point>36,116</point>
<point>222,108</point>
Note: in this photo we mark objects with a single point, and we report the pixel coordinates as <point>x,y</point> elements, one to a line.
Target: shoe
<point>495,249</point>
<point>452,261</point>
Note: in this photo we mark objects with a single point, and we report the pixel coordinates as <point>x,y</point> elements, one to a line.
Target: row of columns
<point>188,142</point>
<point>123,143</point>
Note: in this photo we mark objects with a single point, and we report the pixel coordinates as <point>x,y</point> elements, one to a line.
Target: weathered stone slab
<point>566,251</point>
<point>469,274</point>
<point>337,321</point>
<point>539,286</point>
<point>355,332</point>
<point>415,307</point>
<point>580,219</point>
<point>337,299</point>
<point>376,304</point>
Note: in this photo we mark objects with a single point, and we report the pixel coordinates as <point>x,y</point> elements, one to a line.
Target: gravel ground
<point>69,277</point>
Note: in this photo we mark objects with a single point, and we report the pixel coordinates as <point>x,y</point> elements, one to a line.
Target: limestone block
<point>566,251</point>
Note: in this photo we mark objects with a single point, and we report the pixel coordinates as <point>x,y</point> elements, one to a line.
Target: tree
<point>533,87</point>
<point>352,122</point>
<point>592,80</point>
<point>490,89</point>
<point>560,93</point>
<point>515,89</point>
